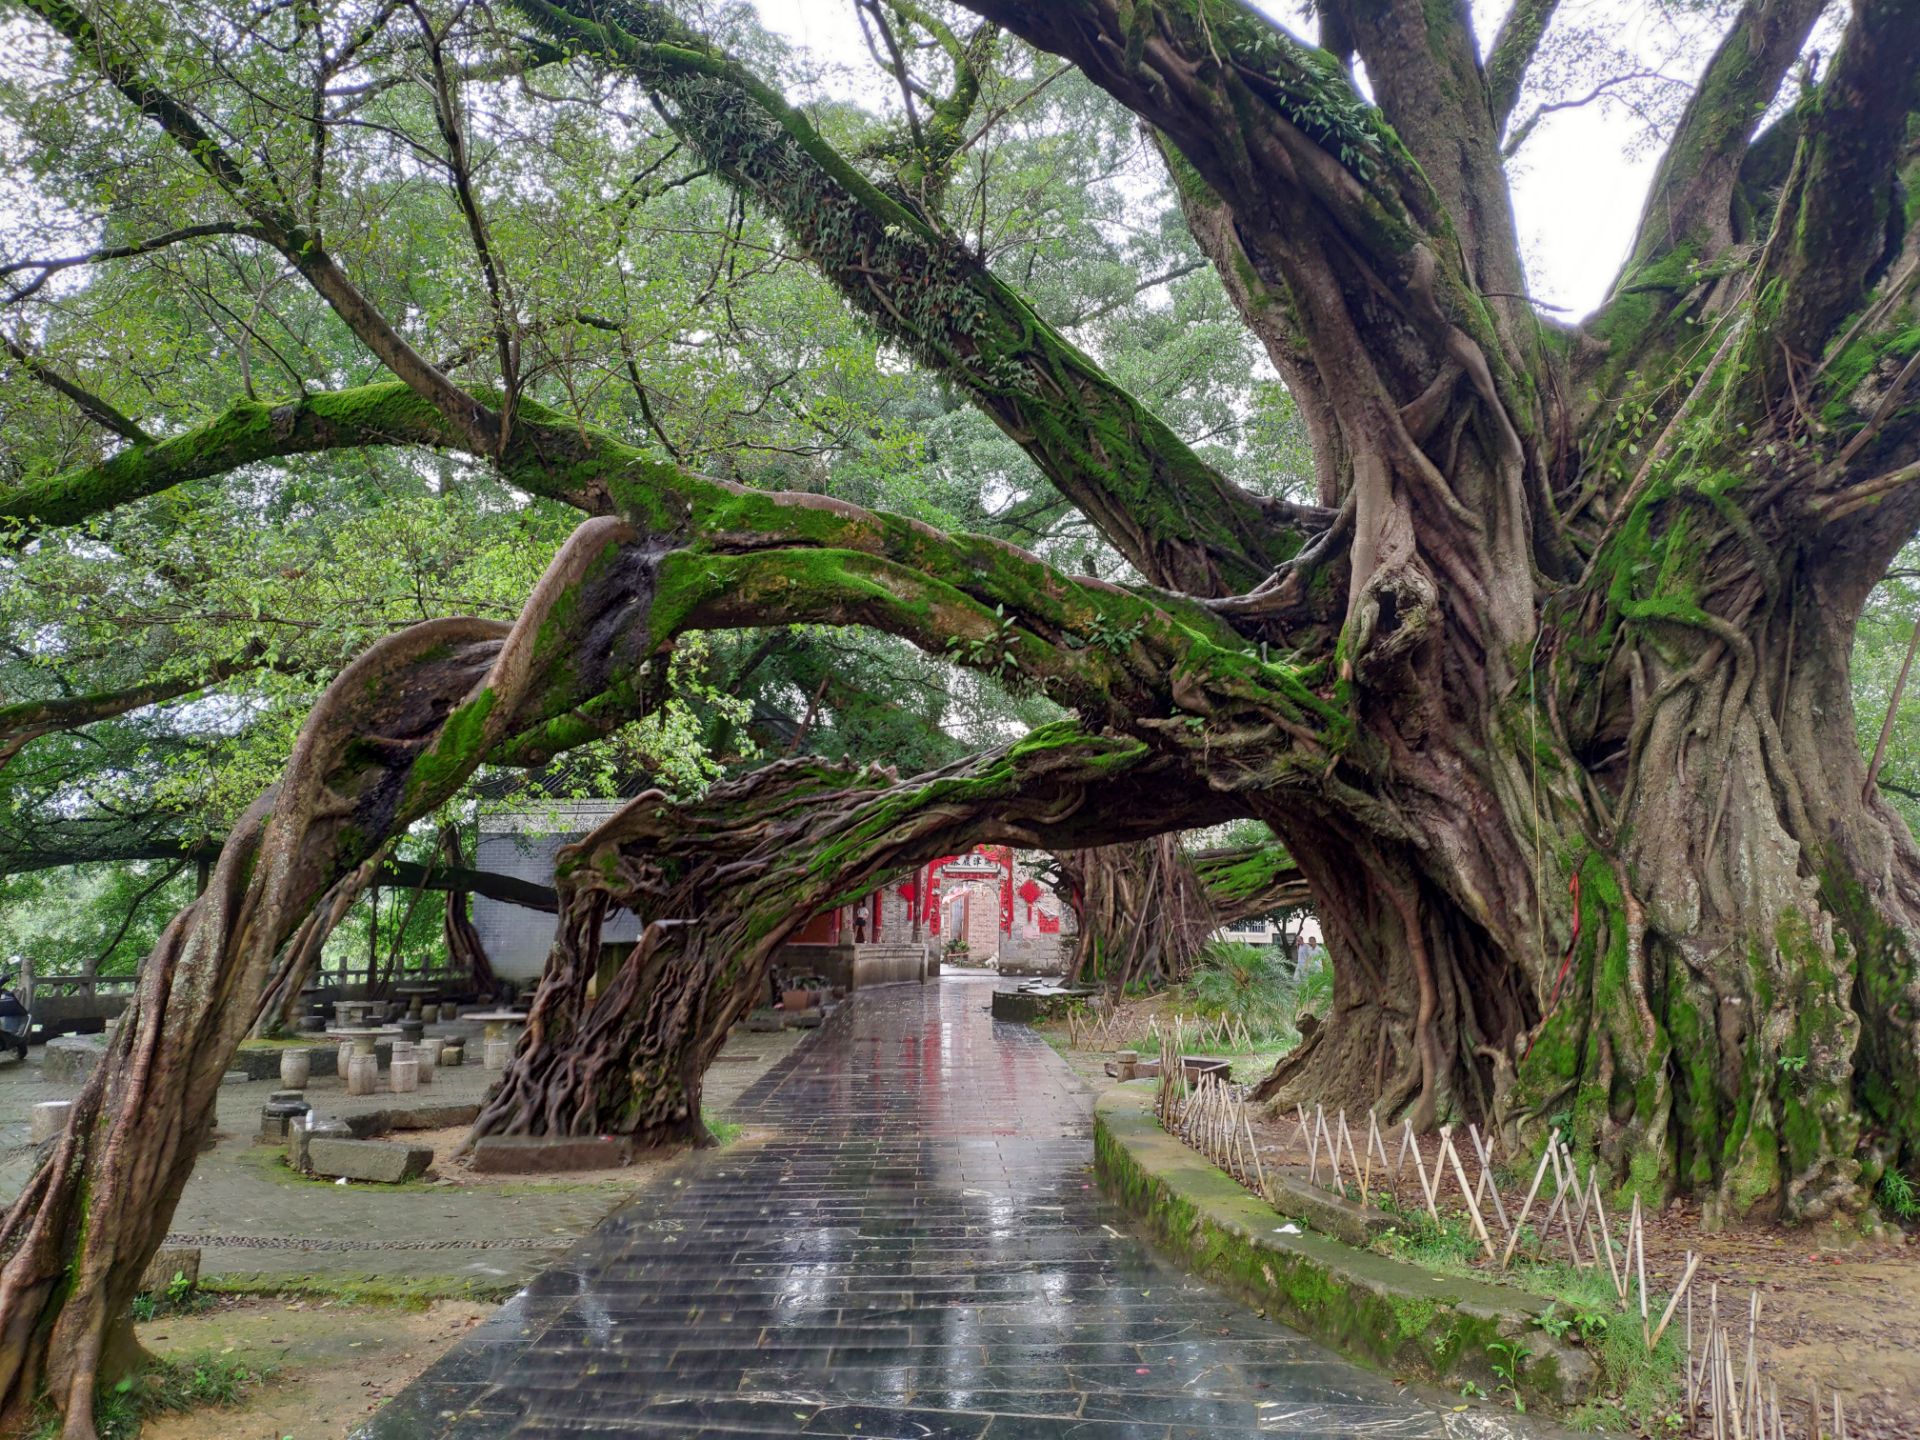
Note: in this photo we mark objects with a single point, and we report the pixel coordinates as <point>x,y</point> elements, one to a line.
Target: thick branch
<point>277,225</point>
<point>1513,50</point>
<point>1176,519</point>
<point>1835,226</point>
<point>28,720</point>
<point>1689,207</point>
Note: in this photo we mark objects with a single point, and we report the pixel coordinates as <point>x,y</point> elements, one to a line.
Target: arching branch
<point>1179,521</point>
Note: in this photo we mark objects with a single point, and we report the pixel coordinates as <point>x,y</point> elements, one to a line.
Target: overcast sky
<point>1578,182</point>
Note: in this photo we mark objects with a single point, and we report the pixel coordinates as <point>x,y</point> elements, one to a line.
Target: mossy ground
<point>164,1386</point>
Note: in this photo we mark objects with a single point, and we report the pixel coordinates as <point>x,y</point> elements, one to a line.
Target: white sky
<point>1577,183</point>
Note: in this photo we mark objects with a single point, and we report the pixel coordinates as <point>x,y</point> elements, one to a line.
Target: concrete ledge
<point>1370,1307</point>
<point>1028,1006</point>
<point>542,1154</point>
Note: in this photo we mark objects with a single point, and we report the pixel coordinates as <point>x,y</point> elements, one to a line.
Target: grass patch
<point>402,1292</point>
<point>1640,1388</point>
<point>161,1387</point>
<point>724,1132</point>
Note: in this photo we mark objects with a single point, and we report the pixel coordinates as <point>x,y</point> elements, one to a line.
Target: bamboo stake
<point>1573,1173</point>
<point>1563,1205</point>
<point>1639,1242</point>
<point>1486,1179</point>
<point>1719,1402</point>
<point>1539,1174</point>
<point>1460,1173</point>
<point>1333,1153</point>
<point>1750,1380</point>
<point>1346,1138</point>
<point>1690,1390</point>
<point>1259,1170</point>
<point>1604,1241</point>
<point>1666,1316</point>
<point>1420,1169</point>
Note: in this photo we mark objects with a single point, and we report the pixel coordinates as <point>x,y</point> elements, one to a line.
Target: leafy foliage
<point>1256,984</point>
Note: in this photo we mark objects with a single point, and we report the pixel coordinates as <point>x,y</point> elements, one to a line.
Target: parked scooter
<point>14,1019</point>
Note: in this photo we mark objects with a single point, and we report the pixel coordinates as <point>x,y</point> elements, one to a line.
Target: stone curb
<point>1369,1307</point>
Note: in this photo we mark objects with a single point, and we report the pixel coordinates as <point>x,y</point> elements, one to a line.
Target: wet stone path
<point>918,1251</point>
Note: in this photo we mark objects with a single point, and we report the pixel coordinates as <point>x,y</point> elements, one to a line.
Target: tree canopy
<point>1133,418</point>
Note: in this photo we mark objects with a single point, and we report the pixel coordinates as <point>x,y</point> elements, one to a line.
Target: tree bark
<point>721,883</point>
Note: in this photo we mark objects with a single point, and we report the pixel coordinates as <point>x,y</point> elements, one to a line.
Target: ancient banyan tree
<point>1545,691</point>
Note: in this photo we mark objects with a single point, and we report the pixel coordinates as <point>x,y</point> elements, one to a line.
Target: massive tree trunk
<point>1591,593</point>
<point>721,882</point>
<point>1547,695</point>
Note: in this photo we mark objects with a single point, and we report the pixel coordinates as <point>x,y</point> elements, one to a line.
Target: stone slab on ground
<point>169,1261</point>
<point>309,1129</point>
<point>540,1154</point>
<point>1029,1006</point>
<point>70,1059</point>
<point>49,1118</point>
<point>1346,1220</point>
<point>408,1112</point>
<point>379,1160</point>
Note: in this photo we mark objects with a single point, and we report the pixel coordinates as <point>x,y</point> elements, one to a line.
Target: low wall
<point>1034,954</point>
<point>1370,1307</point>
<point>854,966</point>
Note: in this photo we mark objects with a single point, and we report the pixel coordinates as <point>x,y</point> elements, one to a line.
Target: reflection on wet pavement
<point>919,1251</point>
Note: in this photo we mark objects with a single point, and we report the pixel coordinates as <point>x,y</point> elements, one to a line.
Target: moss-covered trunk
<point>396,733</point>
<point>722,881</point>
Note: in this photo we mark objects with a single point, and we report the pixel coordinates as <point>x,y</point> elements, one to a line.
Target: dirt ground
<point>1836,1313</point>
<point>333,1363</point>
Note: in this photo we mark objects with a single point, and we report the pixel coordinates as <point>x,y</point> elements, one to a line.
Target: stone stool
<point>497,1054</point>
<point>48,1119</point>
<point>429,1013</point>
<point>363,1075</point>
<point>403,1074</point>
<point>346,1057</point>
<point>411,1030</point>
<point>453,1053</point>
<point>277,1115</point>
<point>427,1053</point>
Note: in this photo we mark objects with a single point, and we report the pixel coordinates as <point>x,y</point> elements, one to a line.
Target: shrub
<point>1255,984</point>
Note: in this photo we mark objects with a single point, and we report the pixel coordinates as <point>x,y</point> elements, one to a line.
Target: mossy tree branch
<point>1511,55</point>
<point>274,221</point>
<point>1176,519</point>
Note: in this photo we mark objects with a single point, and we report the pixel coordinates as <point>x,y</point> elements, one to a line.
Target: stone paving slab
<point>918,1250</point>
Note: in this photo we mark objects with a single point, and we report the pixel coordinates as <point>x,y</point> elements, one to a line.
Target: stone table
<point>349,1013</point>
<point>417,995</point>
<point>363,1039</point>
<point>500,1038</point>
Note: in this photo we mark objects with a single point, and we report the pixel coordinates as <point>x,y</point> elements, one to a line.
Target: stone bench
<point>540,1154</point>
<point>377,1160</point>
